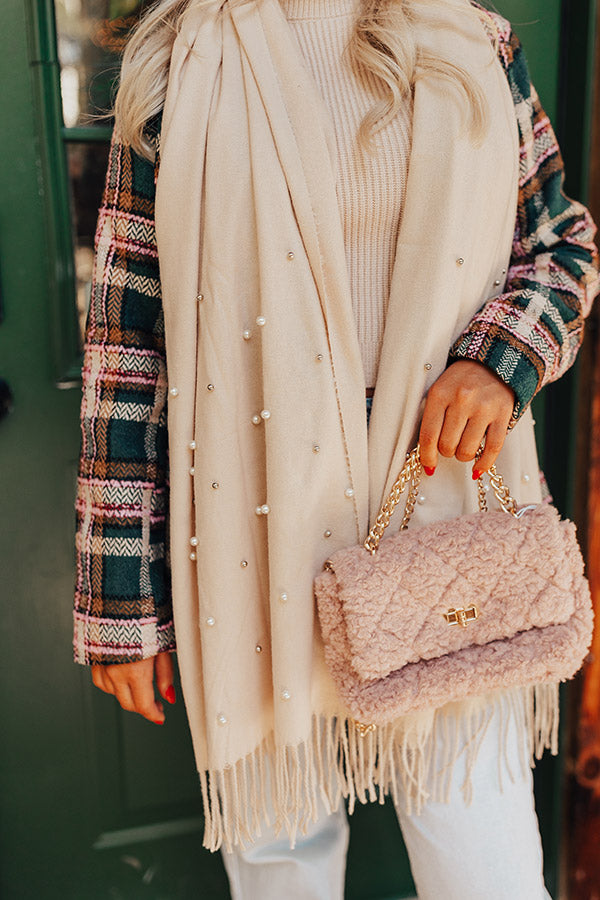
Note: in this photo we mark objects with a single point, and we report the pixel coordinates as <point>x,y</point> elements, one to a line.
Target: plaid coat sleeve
<point>530,334</point>
<point>122,609</point>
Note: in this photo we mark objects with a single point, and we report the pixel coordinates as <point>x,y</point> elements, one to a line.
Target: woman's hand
<point>467,403</point>
<point>133,684</point>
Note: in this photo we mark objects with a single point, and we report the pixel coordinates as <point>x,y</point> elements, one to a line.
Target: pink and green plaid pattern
<point>530,334</point>
<point>122,593</point>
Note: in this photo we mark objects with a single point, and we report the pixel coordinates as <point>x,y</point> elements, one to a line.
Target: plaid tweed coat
<point>122,592</point>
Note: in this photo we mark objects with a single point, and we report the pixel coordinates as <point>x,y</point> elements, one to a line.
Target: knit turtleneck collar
<point>318,9</point>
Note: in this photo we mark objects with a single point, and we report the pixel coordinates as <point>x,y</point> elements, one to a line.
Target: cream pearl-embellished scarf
<point>271,465</point>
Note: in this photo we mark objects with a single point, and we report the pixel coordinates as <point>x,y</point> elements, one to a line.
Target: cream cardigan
<point>264,368</point>
<point>371,196</point>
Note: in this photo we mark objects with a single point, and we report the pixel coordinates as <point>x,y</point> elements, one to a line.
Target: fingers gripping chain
<point>410,474</point>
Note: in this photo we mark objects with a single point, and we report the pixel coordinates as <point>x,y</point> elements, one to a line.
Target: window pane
<point>87,169</point>
<point>91,37</point>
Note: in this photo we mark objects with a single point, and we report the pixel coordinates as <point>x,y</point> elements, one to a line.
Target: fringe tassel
<point>412,759</point>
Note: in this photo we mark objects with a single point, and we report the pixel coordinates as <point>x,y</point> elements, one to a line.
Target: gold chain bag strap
<point>510,579</point>
<point>411,473</point>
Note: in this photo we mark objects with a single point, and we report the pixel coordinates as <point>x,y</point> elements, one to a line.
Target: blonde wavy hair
<point>383,44</point>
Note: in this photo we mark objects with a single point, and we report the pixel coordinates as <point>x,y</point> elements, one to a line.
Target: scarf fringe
<point>397,759</point>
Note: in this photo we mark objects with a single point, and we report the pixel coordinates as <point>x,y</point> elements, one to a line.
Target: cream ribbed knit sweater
<point>370,189</point>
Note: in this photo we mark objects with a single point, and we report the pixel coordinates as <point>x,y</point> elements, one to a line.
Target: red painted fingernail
<point>477,473</point>
<point>429,470</point>
<point>158,721</point>
<point>170,694</point>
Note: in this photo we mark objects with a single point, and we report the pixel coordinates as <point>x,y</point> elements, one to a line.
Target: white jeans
<point>489,850</point>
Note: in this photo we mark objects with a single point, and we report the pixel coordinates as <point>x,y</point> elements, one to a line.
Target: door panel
<point>99,803</point>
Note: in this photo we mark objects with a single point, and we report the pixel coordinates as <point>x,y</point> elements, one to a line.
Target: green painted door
<point>98,803</point>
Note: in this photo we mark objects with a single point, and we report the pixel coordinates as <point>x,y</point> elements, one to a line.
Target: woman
<point>267,169</point>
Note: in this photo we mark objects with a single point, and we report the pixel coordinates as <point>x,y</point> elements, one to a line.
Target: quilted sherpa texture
<point>388,644</point>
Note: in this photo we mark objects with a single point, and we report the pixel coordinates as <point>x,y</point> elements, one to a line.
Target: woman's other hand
<point>466,404</point>
<point>133,684</point>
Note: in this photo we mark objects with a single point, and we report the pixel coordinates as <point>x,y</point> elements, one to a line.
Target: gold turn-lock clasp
<point>461,615</point>
<point>363,728</point>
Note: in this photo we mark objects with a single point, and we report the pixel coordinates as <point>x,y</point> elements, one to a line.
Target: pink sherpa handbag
<point>458,607</point>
